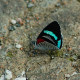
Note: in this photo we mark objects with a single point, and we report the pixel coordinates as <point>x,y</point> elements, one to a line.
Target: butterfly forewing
<point>50,37</point>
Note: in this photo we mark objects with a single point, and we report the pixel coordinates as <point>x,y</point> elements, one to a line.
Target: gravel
<point>35,15</point>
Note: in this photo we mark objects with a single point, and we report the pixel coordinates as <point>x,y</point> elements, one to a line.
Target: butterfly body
<point>50,38</point>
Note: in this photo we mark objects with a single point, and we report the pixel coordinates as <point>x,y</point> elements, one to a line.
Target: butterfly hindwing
<point>51,34</point>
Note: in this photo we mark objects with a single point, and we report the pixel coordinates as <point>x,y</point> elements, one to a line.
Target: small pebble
<point>19,20</point>
<point>66,55</point>
<point>11,28</point>
<point>58,5</point>
<point>18,46</point>
<point>23,73</point>
<point>74,57</point>
<point>67,75</point>
<point>8,74</point>
<point>30,5</point>
<point>2,77</point>
<point>13,21</point>
<point>69,49</point>
<point>21,78</point>
<point>74,73</point>
<point>52,57</point>
<point>27,20</point>
<point>75,37</point>
<point>74,64</point>
<point>18,25</point>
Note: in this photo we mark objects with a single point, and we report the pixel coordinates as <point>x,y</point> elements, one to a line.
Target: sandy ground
<point>21,21</point>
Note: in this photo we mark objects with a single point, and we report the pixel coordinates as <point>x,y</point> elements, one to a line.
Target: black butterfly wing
<point>51,34</point>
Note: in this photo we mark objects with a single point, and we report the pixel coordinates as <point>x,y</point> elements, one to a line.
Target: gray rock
<point>11,28</point>
<point>18,46</point>
<point>75,77</point>
<point>13,21</point>
<point>18,25</point>
<point>30,5</point>
<point>58,5</point>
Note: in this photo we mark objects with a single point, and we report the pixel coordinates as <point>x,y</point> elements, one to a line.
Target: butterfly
<point>50,37</point>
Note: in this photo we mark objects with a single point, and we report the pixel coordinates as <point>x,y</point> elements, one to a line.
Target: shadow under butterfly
<point>50,38</point>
